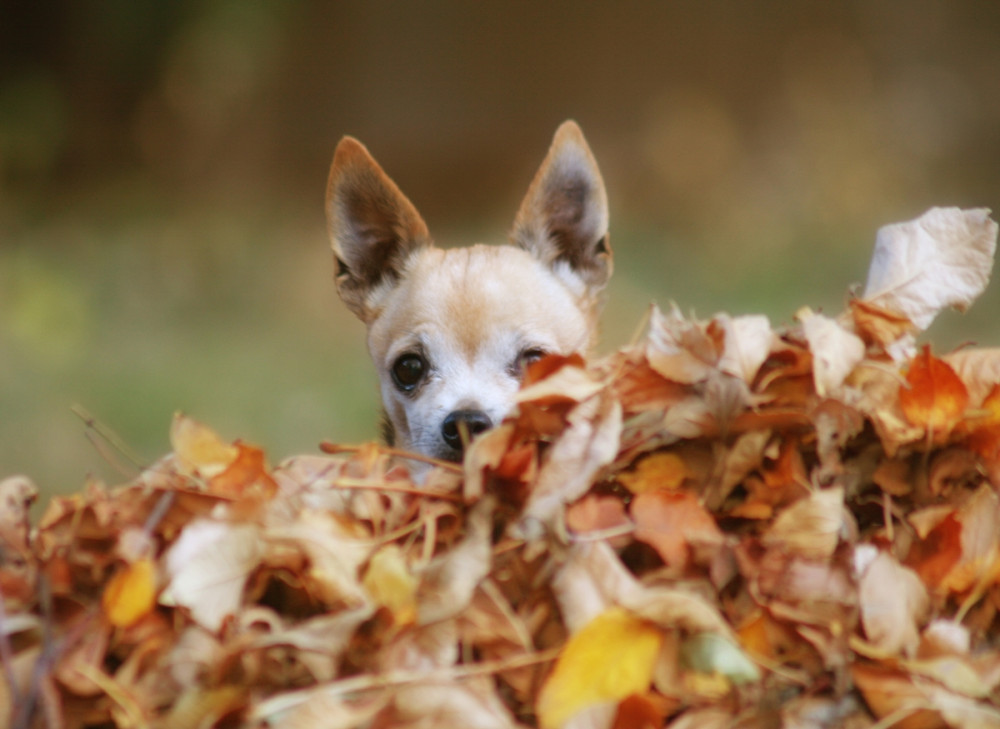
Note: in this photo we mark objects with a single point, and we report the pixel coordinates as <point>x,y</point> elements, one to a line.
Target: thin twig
<point>337,448</point>
<point>361,484</point>
<point>393,679</point>
<point>159,511</point>
<point>598,535</point>
<point>108,436</point>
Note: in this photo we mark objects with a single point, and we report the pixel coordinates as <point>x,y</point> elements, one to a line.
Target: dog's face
<point>451,330</point>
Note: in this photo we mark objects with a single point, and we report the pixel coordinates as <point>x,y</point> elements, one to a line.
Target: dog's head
<point>451,330</point>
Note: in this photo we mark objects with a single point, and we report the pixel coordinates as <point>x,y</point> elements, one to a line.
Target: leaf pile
<point>724,525</point>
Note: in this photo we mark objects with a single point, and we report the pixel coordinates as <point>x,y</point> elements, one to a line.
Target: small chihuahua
<point>451,330</point>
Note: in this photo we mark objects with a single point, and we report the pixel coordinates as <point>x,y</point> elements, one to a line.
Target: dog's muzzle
<point>461,426</point>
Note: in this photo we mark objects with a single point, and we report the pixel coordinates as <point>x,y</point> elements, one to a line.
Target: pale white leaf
<point>589,443</point>
<point>941,259</point>
<point>567,383</point>
<point>590,580</point>
<point>811,526</point>
<point>836,351</point>
<point>470,704</point>
<point>449,581</point>
<point>746,345</point>
<point>336,550</point>
<point>979,369</point>
<point>678,349</point>
<point>317,710</point>
<point>893,602</point>
<point>208,566</point>
<point>710,718</point>
<point>319,641</point>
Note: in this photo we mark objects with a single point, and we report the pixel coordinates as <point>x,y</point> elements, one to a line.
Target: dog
<point>451,331</point>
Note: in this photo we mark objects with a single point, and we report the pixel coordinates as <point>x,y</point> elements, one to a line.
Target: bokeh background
<point>162,169</point>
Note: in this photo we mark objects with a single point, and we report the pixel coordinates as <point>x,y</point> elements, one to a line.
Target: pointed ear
<point>564,216</point>
<point>373,227</point>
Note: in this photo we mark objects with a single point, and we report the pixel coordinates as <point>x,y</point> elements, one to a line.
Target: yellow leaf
<point>131,594</point>
<point>663,470</point>
<point>610,658</point>
<point>199,447</point>
<point>391,584</point>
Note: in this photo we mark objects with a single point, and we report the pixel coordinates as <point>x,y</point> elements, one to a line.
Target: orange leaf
<point>934,556</point>
<point>660,471</point>
<point>764,637</point>
<point>934,397</point>
<point>199,447</point>
<point>991,406</point>
<point>131,594</point>
<point>642,712</point>
<point>247,474</point>
<point>879,325</point>
<point>984,434</point>
<point>890,692</point>
<point>596,513</point>
<point>548,365</point>
<point>609,659</point>
<point>669,523</point>
<point>643,386</point>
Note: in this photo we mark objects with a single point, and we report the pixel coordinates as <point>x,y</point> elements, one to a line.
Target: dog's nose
<point>472,422</point>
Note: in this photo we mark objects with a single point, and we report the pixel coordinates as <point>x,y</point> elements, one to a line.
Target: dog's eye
<point>528,356</point>
<point>407,371</point>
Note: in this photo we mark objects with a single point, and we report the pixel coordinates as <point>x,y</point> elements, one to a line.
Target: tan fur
<point>471,314</point>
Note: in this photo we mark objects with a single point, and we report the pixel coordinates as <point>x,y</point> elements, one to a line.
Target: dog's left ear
<point>564,215</point>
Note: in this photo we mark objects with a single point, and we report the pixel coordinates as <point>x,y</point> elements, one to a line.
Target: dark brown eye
<point>528,356</point>
<point>407,371</point>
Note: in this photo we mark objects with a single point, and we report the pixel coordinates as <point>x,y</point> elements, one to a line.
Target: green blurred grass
<point>228,316</point>
<point>134,308</point>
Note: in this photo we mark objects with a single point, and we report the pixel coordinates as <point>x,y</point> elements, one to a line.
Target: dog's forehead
<point>473,294</point>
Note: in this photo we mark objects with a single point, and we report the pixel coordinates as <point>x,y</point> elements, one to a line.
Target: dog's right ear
<point>373,227</point>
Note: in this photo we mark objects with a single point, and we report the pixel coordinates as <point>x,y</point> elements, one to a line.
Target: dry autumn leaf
<point>933,398</point>
<point>589,443</point>
<point>811,527</point>
<point>391,583</point>
<point>199,447</point>
<point>207,568</point>
<point>715,655</point>
<point>745,345</point>
<point>893,602</point>
<point>131,594</point>
<point>835,350</point>
<point>941,259</point>
<point>246,475</point>
<point>674,525</point>
<point>609,659</point>
<point>879,326</point>
<point>665,470</point>
<point>979,370</point>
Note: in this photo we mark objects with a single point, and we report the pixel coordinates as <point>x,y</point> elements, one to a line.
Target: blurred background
<point>163,164</point>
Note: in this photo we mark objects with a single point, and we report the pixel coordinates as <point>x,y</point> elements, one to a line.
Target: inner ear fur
<point>564,215</point>
<point>373,227</point>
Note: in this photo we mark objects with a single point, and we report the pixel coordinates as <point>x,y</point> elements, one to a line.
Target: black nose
<point>472,422</point>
